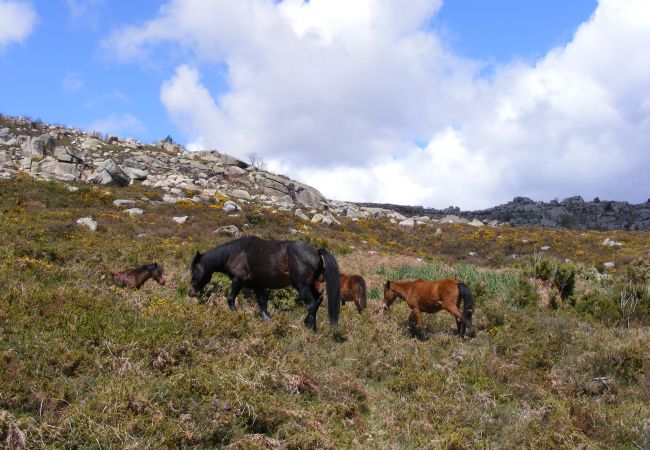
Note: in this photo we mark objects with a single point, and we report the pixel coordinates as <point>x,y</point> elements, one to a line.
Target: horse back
<point>432,296</point>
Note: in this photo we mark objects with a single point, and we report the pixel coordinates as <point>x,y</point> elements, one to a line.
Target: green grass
<point>88,364</point>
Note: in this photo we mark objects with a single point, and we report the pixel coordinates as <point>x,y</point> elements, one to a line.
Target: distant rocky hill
<point>572,212</point>
<point>67,154</point>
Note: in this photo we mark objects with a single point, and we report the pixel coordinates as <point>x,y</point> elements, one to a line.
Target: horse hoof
<point>233,308</point>
<point>311,324</point>
<point>266,317</point>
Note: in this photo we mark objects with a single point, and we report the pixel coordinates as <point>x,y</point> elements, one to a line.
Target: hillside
<point>557,360</point>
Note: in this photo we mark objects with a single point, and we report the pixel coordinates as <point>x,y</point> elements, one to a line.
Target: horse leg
<point>235,287</point>
<point>458,315</point>
<point>420,321</point>
<point>312,304</point>
<point>262,300</point>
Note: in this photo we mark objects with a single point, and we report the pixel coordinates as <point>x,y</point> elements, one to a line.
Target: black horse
<point>268,264</point>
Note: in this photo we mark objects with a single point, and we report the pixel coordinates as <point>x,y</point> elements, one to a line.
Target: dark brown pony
<point>135,278</point>
<point>262,264</point>
<point>431,297</point>
<point>353,289</point>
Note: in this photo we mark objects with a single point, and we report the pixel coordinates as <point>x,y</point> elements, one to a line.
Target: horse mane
<point>217,256</point>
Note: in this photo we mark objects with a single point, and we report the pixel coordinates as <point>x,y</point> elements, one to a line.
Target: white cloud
<point>119,125</point>
<point>17,20</point>
<point>84,9</point>
<point>337,93</point>
<point>72,82</point>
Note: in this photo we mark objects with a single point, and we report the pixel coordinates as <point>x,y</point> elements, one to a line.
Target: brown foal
<point>431,297</point>
<point>135,278</point>
<point>353,289</point>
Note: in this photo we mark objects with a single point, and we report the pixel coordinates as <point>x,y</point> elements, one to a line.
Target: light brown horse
<point>135,278</point>
<point>353,289</point>
<point>431,297</point>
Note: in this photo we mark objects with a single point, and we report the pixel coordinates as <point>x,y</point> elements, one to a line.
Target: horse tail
<point>333,283</point>
<point>362,294</point>
<point>468,307</point>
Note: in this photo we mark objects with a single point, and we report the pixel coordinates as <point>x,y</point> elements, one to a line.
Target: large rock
<point>136,174</point>
<point>278,185</point>
<point>241,194</point>
<point>108,173</point>
<point>67,171</point>
<point>68,155</point>
<point>36,148</point>
<point>91,144</point>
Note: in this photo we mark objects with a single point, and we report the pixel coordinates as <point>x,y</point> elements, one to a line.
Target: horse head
<point>200,277</point>
<point>157,274</point>
<point>389,295</point>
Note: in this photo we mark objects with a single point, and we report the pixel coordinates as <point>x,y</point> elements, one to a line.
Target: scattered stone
<point>476,223</point>
<point>124,202</point>
<point>609,265</point>
<point>611,243</point>
<point>451,218</point>
<point>438,231</point>
<point>301,215</point>
<point>88,222</point>
<point>180,219</point>
<point>231,206</point>
<point>134,211</point>
<point>170,198</point>
<point>228,230</point>
<point>545,247</point>
<point>317,218</point>
<point>73,188</point>
<point>407,223</point>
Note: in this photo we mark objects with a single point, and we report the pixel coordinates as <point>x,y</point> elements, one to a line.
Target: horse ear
<point>387,284</point>
<point>197,258</point>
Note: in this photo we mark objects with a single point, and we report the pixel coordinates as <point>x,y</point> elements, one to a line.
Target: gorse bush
<point>524,293</point>
<point>564,279</point>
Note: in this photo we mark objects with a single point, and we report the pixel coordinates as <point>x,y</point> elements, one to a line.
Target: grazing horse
<point>268,264</point>
<point>431,297</point>
<point>135,278</point>
<point>353,289</point>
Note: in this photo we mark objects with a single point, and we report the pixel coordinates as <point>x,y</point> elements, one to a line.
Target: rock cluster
<point>53,152</point>
<point>572,212</point>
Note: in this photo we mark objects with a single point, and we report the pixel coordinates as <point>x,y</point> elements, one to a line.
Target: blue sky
<point>375,100</point>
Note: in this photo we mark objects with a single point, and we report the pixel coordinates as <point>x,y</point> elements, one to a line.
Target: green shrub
<point>599,305</point>
<point>523,294</point>
<point>544,269</point>
<point>564,279</point>
<point>286,299</point>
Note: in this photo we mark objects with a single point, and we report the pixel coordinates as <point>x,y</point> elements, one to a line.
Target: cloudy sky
<point>431,102</point>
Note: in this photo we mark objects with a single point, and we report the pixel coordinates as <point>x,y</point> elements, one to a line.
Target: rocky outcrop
<point>572,212</point>
<point>48,151</point>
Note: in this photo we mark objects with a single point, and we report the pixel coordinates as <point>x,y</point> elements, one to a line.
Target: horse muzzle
<point>191,292</point>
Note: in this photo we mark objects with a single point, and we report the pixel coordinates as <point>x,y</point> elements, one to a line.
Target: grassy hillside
<point>88,364</point>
